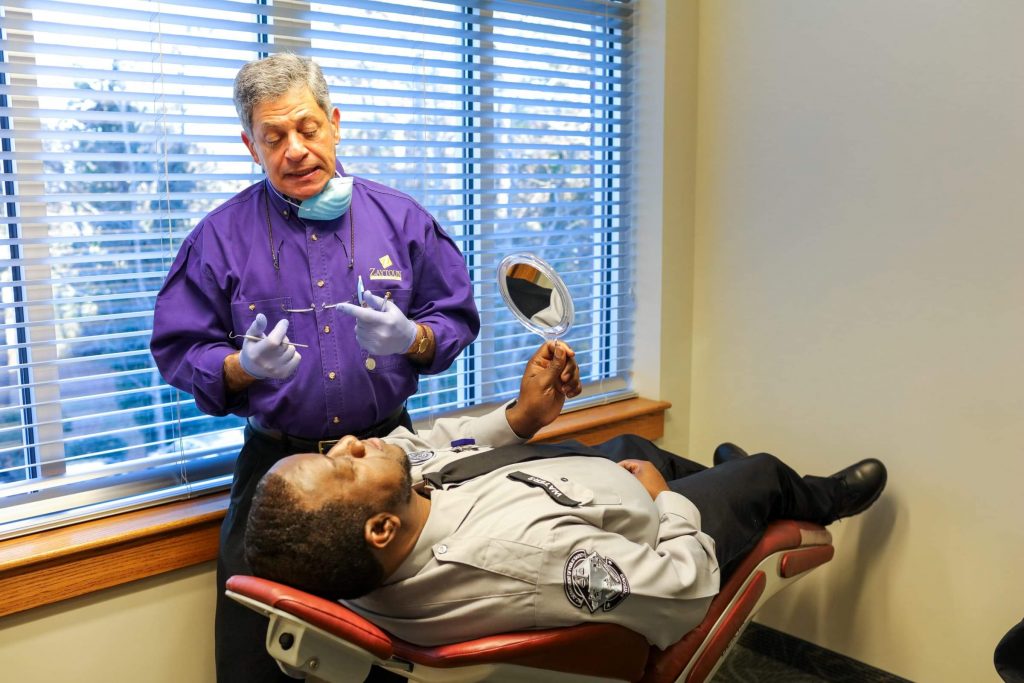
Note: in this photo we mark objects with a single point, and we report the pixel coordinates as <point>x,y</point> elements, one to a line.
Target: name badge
<point>553,491</point>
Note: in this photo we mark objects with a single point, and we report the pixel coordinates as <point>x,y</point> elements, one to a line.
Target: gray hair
<point>271,77</point>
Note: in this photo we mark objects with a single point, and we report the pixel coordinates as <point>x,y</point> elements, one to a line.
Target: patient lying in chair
<point>465,530</point>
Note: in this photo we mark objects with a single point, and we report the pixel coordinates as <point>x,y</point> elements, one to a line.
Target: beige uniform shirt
<point>559,542</point>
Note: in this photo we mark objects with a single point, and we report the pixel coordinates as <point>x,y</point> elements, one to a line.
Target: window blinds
<point>508,120</point>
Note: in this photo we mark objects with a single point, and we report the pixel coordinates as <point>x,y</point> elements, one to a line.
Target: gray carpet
<point>764,655</point>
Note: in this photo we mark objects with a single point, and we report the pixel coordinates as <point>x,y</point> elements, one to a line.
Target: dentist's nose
<point>296,148</point>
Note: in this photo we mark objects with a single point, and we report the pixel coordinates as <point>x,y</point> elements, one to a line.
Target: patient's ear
<point>381,529</point>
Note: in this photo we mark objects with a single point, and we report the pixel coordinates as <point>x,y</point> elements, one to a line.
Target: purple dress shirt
<point>224,275</point>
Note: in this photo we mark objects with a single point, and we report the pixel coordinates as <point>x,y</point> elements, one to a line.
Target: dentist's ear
<point>251,146</point>
<point>381,529</point>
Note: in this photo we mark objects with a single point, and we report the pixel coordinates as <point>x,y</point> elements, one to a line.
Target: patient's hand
<point>550,377</point>
<point>647,474</point>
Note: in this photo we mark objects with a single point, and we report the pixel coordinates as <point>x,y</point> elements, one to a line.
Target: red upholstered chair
<point>322,640</point>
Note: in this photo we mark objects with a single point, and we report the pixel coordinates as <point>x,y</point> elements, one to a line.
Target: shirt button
<point>331,375</point>
<point>285,213</point>
<point>314,237</point>
<point>327,329</point>
<point>442,549</point>
<point>336,419</point>
<point>564,479</point>
<point>319,283</point>
<point>370,364</point>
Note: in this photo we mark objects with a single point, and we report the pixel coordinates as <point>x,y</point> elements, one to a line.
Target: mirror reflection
<point>536,295</point>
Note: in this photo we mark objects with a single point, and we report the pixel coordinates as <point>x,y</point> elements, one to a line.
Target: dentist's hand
<point>381,327</point>
<point>271,357</point>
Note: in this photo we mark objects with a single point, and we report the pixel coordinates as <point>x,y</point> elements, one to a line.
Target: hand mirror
<point>536,295</point>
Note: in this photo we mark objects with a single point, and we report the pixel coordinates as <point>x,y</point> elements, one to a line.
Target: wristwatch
<point>421,348</point>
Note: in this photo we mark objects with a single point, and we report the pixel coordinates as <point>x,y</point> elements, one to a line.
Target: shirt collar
<point>448,509</point>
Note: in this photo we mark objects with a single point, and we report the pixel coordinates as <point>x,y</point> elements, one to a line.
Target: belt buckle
<point>326,445</point>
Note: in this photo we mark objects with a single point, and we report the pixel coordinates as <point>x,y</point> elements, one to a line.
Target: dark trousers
<point>736,499</point>
<point>240,632</point>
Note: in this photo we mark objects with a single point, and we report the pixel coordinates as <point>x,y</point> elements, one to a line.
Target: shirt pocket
<point>606,498</point>
<point>400,296</point>
<point>588,496</point>
<point>519,561</point>
<point>243,313</point>
<point>584,495</point>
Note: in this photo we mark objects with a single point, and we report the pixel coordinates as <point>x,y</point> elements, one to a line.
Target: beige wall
<point>679,144</point>
<point>859,291</point>
<point>157,630</point>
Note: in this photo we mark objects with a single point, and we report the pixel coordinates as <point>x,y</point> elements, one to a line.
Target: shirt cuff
<point>209,387</point>
<point>672,503</point>
<point>448,344</point>
<point>494,430</point>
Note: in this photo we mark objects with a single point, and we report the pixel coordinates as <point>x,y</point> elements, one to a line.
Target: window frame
<point>47,449</point>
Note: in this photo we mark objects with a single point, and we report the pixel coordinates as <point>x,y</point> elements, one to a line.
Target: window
<point>508,120</point>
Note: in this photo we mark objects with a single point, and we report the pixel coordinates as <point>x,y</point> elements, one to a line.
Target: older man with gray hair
<point>308,303</point>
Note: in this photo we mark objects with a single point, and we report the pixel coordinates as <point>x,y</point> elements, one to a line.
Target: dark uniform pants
<point>239,632</point>
<point>736,499</point>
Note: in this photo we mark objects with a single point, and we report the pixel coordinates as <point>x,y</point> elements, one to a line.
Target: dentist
<point>263,313</point>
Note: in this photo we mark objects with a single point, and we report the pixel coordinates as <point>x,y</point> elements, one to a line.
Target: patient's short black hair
<point>320,551</point>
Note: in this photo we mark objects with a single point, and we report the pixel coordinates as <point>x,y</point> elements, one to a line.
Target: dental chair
<point>322,640</point>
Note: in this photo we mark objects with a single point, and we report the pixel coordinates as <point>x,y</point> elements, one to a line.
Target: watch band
<point>421,343</point>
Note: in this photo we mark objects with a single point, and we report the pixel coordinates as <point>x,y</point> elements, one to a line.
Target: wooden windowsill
<point>54,565</point>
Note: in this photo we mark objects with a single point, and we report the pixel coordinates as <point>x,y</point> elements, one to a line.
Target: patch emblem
<point>385,261</point>
<point>420,457</point>
<point>594,582</point>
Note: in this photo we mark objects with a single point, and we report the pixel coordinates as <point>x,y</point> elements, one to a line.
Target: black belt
<point>300,444</point>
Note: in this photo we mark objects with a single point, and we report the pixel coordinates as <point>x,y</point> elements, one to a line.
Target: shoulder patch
<point>594,582</point>
<point>419,457</point>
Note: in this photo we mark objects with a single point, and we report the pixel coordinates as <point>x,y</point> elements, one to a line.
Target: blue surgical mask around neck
<point>332,202</point>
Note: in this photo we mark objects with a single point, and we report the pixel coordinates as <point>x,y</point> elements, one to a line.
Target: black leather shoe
<point>861,485</point>
<point>727,452</point>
